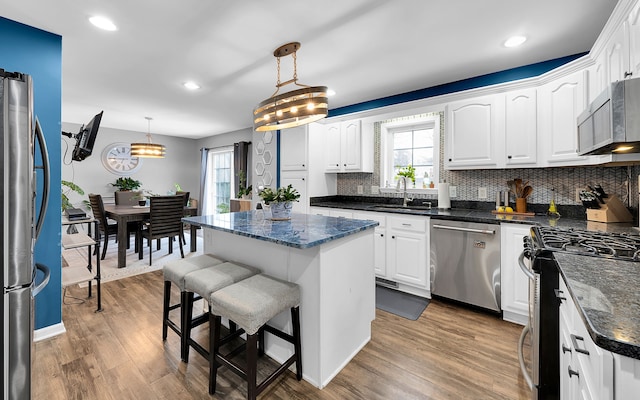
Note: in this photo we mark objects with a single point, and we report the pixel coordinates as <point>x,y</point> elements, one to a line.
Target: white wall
<point>181,165</point>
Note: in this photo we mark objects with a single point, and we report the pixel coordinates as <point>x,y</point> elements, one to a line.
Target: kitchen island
<point>332,261</point>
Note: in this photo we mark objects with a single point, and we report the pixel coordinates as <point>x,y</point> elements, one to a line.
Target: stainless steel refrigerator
<point>20,137</point>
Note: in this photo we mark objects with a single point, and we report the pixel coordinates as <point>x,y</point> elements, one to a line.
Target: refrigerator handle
<point>46,184</point>
<point>47,274</point>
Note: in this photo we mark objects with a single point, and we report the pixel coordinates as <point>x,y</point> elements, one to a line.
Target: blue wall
<point>39,54</point>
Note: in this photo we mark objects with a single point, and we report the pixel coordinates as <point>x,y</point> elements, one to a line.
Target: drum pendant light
<point>294,108</point>
<point>149,149</point>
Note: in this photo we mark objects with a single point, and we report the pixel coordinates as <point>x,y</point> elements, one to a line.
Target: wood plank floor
<point>450,352</point>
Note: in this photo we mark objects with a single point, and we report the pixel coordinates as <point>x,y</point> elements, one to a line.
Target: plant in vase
<point>408,172</point>
<point>244,191</point>
<point>279,200</point>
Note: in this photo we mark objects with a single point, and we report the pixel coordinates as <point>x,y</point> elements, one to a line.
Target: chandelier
<point>149,149</point>
<point>294,108</point>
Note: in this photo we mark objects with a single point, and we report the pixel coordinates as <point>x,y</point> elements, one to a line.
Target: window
<point>219,184</point>
<point>413,142</point>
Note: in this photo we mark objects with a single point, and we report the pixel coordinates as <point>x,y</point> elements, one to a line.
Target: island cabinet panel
<point>337,287</point>
<point>474,133</point>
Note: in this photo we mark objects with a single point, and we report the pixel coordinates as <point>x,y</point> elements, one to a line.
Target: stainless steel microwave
<point>611,124</point>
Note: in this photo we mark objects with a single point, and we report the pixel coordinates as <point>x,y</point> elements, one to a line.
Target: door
<point>299,182</point>
<point>351,145</point>
<point>332,148</point>
<point>293,149</point>
<point>521,128</point>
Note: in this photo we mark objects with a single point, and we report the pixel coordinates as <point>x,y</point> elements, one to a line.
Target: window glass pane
<point>402,140</point>
<point>401,158</point>
<point>423,138</point>
<point>422,157</point>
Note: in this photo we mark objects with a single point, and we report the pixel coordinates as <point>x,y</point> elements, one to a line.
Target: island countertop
<point>301,231</point>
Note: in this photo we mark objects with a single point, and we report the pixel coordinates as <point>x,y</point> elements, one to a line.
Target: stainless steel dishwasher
<point>465,262</point>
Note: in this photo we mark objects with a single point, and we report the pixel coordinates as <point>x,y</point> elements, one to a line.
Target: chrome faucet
<point>405,197</point>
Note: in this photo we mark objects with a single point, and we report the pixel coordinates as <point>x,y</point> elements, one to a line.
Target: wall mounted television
<point>86,138</point>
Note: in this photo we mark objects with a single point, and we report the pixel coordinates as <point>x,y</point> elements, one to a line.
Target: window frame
<point>386,148</point>
<point>210,189</point>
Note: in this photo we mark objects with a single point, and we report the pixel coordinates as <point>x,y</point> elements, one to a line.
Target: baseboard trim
<point>48,332</point>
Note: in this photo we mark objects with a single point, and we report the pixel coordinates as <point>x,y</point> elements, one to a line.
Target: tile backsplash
<point>619,180</point>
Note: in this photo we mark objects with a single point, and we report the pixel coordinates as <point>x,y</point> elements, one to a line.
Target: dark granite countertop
<point>606,292</point>
<point>301,231</point>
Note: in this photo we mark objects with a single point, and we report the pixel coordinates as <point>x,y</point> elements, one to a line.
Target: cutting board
<point>526,214</point>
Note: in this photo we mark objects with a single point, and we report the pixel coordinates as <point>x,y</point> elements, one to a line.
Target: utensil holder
<point>521,204</point>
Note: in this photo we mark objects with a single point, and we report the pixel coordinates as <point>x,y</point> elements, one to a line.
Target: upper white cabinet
<point>521,128</point>
<point>474,132</point>
<point>347,148</point>
<point>294,149</point>
<point>559,104</point>
<point>633,23</point>
<point>622,50</point>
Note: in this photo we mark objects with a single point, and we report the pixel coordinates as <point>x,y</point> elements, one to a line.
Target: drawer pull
<point>558,295</point>
<point>565,349</point>
<point>405,224</point>
<point>575,339</point>
<point>572,372</point>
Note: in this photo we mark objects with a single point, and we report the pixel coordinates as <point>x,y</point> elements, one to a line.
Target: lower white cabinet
<point>514,294</point>
<point>407,249</point>
<point>401,247</point>
<point>586,370</point>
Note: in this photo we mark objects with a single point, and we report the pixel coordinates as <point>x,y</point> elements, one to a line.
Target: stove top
<point>590,243</point>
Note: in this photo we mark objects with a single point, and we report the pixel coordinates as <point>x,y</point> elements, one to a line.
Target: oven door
<point>532,327</point>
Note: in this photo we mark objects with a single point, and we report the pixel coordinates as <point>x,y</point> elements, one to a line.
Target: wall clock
<point>116,158</point>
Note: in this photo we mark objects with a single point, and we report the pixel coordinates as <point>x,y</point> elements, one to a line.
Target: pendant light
<point>294,108</point>
<point>149,149</point>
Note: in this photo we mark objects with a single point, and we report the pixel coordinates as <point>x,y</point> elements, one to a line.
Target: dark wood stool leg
<point>252,365</point>
<point>261,342</point>
<point>186,311</point>
<point>295,319</point>
<point>165,308</point>
<point>214,346</point>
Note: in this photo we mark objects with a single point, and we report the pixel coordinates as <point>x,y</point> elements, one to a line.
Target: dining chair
<point>165,220</point>
<point>186,203</point>
<point>108,228</point>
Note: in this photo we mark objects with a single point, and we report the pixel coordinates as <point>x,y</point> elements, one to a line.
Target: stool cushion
<point>208,280</point>
<point>175,271</point>
<point>251,303</point>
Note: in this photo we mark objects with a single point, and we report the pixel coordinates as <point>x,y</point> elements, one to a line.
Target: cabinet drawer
<point>408,224</point>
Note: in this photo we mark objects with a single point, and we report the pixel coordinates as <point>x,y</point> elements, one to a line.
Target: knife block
<point>613,210</point>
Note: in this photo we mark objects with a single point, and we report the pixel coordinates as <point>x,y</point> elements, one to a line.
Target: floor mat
<point>399,303</point>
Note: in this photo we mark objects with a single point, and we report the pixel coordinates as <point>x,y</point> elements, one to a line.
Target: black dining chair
<point>108,228</point>
<point>186,203</point>
<point>165,221</point>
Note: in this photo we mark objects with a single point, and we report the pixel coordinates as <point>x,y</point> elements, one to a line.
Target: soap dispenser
<point>553,211</point>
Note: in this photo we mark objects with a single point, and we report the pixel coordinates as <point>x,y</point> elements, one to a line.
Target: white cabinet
<point>521,129</point>
<point>347,149</point>
<point>380,244</point>
<point>474,133</point>
<point>559,104</point>
<point>586,370</point>
<point>294,149</point>
<point>407,249</point>
<point>633,23</point>
<point>298,180</point>
<point>513,282</point>
<point>622,50</point>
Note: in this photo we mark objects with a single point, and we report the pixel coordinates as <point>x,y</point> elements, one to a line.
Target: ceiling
<point>362,49</point>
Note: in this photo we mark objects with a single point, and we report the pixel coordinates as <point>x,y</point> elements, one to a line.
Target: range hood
<point>611,124</point>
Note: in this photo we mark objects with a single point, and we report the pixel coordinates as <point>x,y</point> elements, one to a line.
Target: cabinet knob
<point>345,165</point>
<point>627,74</point>
<point>337,165</point>
<point>558,296</point>
<point>574,340</point>
<point>509,157</point>
<point>303,165</point>
<point>393,237</point>
<point>565,349</point>
<point>449,160</point>
<point>382,235</point>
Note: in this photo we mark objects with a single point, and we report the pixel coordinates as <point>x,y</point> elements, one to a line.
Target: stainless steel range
<point>543,326</point>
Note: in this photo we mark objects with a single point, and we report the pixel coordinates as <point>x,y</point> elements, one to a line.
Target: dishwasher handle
<point>524,268</point>
<point>455,228</point>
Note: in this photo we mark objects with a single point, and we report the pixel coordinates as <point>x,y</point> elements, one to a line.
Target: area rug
<point>399,303</point>
<point>109,269</point>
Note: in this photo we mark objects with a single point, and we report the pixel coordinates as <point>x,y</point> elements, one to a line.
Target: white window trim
<point>385,132</point>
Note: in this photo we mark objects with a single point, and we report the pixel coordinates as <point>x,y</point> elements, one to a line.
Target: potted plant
<point>125,195</point>
<point>408,172</point>
<point>242,202</point>
<point>279,201</point>
<point>66,203</point>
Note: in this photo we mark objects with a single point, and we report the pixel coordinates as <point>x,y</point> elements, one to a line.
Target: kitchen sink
<point>399,207</point>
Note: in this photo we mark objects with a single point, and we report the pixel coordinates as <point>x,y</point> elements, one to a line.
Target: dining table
<point>123,214</point>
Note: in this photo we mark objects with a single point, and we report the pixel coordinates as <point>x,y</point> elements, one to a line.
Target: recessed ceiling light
<point>191,85</point>
<point>515,41</point>
<point>331,92</point>
<point>103,23</point>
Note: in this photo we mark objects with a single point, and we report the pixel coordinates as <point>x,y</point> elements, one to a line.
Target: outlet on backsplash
<point>453,191</point>
<point>482,193</point>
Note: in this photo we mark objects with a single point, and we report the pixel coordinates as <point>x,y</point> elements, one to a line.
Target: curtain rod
<point>220,147</point>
